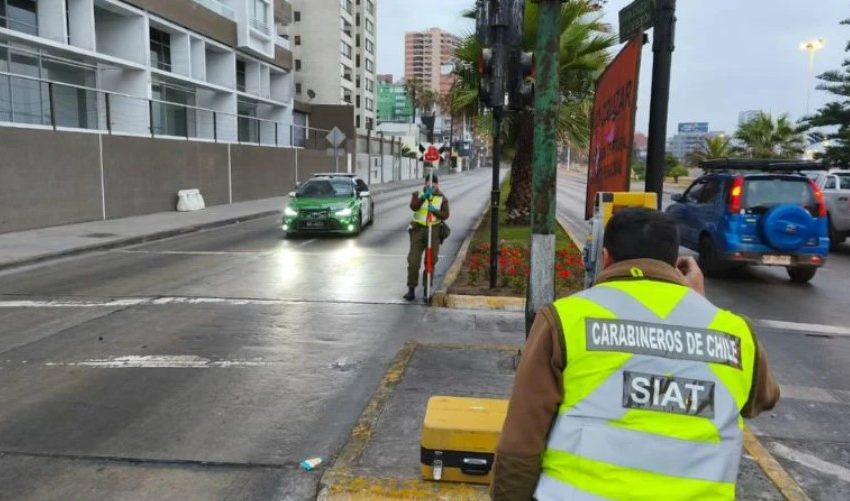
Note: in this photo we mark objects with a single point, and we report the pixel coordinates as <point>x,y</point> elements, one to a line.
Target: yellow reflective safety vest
<point>655,380</point>
<point>420,217</point>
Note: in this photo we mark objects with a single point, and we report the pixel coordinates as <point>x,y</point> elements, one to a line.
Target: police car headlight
<point>289,211</point>
<point>344,212</point>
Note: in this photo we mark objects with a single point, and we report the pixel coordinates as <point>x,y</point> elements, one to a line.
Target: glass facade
<point>19,15</point>
<point>160,49</point>
<point>249,126</point>
<point>173,113</point>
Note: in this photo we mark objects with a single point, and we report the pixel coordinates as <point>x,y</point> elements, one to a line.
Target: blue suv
<point>754,212</point>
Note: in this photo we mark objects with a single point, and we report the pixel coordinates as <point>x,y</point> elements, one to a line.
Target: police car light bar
<point>761,164</point>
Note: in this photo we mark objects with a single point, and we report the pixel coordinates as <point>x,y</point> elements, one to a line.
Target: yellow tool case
<point>459,438</point>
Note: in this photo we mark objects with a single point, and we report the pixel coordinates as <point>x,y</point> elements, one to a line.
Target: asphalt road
<point>806,332</point>
<point>207,366</point>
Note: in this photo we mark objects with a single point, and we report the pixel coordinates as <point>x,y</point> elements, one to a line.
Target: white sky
<point>731,55</point>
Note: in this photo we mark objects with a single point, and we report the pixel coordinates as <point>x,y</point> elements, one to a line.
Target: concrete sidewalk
<point>31,246</point>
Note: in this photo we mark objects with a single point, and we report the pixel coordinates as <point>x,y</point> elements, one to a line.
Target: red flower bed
<point>514,268</point>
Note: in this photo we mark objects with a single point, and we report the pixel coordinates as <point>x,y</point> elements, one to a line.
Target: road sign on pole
<point>636,18</point>
<point>336,137</point>
<point>432,155</point>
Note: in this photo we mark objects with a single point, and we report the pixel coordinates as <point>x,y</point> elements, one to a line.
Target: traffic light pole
<point>495,197</point>
<point>541,286</point>
<point>662,48</point>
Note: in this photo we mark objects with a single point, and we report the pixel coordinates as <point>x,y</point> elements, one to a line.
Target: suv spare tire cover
<point>788,227</point>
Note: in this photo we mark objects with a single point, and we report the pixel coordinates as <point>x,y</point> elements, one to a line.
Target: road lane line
<point>162,362</point>
<point>831,330</point>
<point>810,461</point>
<point>116,303</point>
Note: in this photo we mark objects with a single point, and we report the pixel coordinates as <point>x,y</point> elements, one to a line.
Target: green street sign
<point>636,18</point>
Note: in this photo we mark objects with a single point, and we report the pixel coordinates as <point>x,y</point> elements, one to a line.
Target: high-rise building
<point>393,103</point>
<point>746,116</point>
<point>426,54</point>
<point>691,138</point>
<point>334,44</point>
<point>198,69</point>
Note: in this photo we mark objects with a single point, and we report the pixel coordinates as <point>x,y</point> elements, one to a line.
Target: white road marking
<point>831,330</point>
<point>808,393</point>
<point>811,461</point>
<point>116,303</point>
<point>162,362</point>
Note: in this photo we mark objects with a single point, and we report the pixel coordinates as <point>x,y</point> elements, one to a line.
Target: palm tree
<point>584,44</point>
<point>764,137</point>
<point>422,98</point>
<point>714,147</point>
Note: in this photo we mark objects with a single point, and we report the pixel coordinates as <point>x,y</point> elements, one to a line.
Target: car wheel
<point>802,274</point>
<point>358,225</point>
<point>709,261</point>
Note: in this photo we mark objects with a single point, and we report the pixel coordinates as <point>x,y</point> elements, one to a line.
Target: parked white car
<point>836,192</point>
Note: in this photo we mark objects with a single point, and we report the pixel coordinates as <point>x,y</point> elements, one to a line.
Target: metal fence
<point>31,100</point>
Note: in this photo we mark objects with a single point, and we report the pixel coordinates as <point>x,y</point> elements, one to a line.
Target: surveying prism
<point>606,205</point>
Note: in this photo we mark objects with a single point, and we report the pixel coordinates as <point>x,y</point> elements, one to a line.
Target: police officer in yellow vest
<point>430,200</point>
<point>634,389</point>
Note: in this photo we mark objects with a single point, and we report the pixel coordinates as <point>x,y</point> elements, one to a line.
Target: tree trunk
<point>518,204</point>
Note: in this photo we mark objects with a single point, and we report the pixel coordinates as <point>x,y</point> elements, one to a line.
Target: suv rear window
<point>762,193</point>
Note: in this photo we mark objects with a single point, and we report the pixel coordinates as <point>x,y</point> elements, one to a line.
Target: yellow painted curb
<point>465,302</point>
<point>347,487</point>
<point>771,467</point>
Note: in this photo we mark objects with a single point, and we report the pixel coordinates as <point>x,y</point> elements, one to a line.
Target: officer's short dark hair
<point>639,233</point>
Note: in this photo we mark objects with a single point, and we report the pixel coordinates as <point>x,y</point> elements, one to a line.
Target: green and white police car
<point>329,203</point>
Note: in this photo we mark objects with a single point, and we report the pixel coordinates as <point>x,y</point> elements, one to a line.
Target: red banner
<point>613,125</point>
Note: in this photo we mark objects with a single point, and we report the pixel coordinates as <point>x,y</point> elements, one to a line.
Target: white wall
<point>51,20</point>
<point>122,36</point>
<point>81,23</point>
<point>199,61</point>
<point>221,68</point>
<point>129,114</point>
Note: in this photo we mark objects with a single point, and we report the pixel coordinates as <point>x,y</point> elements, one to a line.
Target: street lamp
<point>811,46</point>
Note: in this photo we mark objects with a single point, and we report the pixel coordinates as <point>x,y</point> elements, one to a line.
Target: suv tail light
<point>735,195</point>
<point>818,198</point>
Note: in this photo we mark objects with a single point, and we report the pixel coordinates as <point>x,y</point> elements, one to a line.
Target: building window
<point>171,109</point>
<point>19,15</point>
<point>346,6</point>
<point>160,49</point>
<point>358,41</point>
<point>370,7</point>
<point>297,40</point>
<point>345,49</point>
<point>370,104</point>
<point>298,88</point>
<point>370,85</point>
<point>297,65</point>
<point>370,66</point>
<point>296,16</point>
<point>345,26</point>
<point>358,82</point>
<point>248,124</point>
<point>357,121</point>
<point>345,72</point>
<point>240,76</point>
<point>357,61</point>
<point>370,47</point>
<point>357,101</point>
<point>370,27</point>
<point>370,123</point>
<point>260,15</point>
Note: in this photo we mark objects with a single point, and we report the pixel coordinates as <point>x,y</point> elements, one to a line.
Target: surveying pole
<point>541,286</point>
<point>662,48</point>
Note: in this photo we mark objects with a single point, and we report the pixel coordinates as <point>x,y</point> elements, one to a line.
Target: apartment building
<point>426,54</point>
<point>199,69</point>
<point>334,45</point>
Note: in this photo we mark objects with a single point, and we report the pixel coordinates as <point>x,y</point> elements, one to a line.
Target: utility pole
<point>541,287</point>
<point>497,101</point>
<point>662,48</point>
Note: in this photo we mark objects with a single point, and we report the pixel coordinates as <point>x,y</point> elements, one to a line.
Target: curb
<point>124,242</point>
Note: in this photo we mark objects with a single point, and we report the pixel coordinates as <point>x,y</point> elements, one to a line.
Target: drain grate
<point>100,235</point>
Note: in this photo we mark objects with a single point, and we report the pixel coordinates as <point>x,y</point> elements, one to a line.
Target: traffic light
<point>521,90</point>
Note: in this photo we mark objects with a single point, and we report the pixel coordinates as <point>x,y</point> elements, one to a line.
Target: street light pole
<point>547,96</point>
<point>811,46</point>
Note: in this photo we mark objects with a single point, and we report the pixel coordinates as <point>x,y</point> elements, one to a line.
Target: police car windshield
<point>326,188</point>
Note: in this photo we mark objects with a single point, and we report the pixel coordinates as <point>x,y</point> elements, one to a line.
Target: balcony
<point>218,8</point>
<point>282,11</point>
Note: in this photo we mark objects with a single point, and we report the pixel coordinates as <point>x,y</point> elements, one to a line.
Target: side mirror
<point>364,194</point>
<point>678,197</point>
<point>292,194</point>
